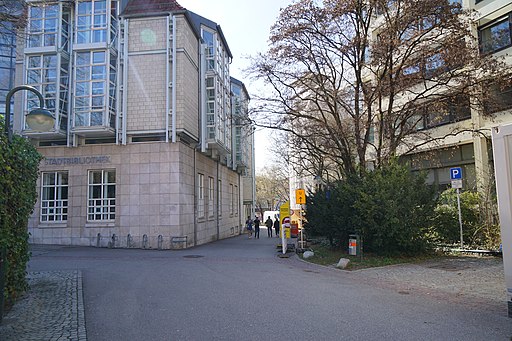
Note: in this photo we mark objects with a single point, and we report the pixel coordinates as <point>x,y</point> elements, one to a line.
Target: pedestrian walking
<point>269,224</point>
<point>276,226</point>
<point>248,226</point>
<point>256,227</point>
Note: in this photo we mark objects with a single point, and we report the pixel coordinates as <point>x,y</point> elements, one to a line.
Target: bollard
<point>98,240</point>
<point>160,241</point>
<point>144,241</point>
<point>112,243</point>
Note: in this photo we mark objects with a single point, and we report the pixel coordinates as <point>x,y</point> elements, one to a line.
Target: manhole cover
<point>193,256</point>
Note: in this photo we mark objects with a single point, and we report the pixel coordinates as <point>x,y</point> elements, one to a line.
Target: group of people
<point>250,223</point>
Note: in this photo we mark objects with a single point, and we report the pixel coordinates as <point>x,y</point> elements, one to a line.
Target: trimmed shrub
<point>19,162</point>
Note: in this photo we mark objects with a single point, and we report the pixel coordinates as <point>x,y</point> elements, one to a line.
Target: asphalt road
<point>238,289</point>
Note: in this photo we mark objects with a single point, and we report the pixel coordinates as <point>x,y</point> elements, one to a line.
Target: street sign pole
<point>456,177</point>
<point>460,219</point>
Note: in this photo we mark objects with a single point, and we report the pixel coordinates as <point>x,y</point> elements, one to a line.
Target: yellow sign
<point>300,196</point>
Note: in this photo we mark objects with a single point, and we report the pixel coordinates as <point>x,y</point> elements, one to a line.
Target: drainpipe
<point>174,70</point>
<point>218,200</point>
<point>195,198</point>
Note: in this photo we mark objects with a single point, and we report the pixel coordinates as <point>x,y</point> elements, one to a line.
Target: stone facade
<point>142,182</point>
<point>155,196</point>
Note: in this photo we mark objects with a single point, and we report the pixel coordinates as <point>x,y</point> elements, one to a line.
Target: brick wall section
<point>146,83</point>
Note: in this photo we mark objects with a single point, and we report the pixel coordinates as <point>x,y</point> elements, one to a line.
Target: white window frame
<point>54,210</point>
<point>211,196</point>
<point>237,201</point>
<point>219,203</point>
<point>43,30</point>
<point>102,208</point>
<point>231,199</point>
<point>200,195</point>
<point>91,85</point>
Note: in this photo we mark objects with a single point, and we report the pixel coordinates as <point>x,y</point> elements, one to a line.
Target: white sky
<point>246,27</point>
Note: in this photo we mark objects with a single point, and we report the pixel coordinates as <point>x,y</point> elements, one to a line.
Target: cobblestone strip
<point>52,309</point>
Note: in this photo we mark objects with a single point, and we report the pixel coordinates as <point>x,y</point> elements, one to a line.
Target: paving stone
<point>52,309</point>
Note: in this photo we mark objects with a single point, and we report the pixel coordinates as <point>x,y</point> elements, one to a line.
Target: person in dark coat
<point>268,224</point>
<point>256,227</point>
<point>276,227</point>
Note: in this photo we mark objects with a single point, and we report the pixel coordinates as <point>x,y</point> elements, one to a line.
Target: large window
<point>91,22</point>
<point>441,112</point>
<point>90,88</point>
<point>102,195</point>
<point>497,99</point>
<point>54,197</point>
<point>44,74</point>
<point>210,107</point>
<point>495,36</point>
<point>200,195</point>
<point>209,39</point>
<point>237,202</point>
<point>7,60</point>
<point>211,196</point>
<point>43,25</point>
<point>231,199</point>
<point>219,204</point>
<point>218,98</point>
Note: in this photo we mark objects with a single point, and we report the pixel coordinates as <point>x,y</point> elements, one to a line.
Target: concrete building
<point>150,147</point>
<point>472,148</point>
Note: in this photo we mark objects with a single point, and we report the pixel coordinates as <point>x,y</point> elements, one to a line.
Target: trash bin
<point>353,244</point>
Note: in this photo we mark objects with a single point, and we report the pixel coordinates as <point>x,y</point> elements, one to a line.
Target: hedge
<point>19,163</point>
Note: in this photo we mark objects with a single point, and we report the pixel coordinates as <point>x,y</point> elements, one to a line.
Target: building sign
<point>81,160</point>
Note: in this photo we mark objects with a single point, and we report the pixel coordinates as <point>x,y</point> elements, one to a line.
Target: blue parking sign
<point>456,173</point>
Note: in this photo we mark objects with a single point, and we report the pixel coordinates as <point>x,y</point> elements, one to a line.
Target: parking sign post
<point>456,177</point>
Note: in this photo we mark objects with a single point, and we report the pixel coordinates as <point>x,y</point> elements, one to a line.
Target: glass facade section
<point>102,195</point>
<point>7,62</point>
<point>54,197</point>
<point>49,74</point>
<point>92,84</point>
<point>96,21</point>
<point>43,25</point>
<point>218,95</point>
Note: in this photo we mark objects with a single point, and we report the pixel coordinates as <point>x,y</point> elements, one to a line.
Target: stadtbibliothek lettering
<point>83,160</point>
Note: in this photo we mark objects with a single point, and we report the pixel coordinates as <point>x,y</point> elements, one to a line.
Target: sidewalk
<point>52,309</point>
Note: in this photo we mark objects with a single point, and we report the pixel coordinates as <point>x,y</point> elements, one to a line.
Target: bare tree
<point>356,80</point>
<point>12,17</point>
<point>272,187</point>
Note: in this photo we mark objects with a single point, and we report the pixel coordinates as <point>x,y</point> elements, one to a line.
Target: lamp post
<point>40,120</point>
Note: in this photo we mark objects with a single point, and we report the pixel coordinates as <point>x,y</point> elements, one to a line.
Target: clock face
<point>148,36</point>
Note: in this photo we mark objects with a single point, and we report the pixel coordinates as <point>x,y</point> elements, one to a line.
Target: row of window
<point>49,24</point>
<point>203,202</point>
<point>94,71</point>
<point>101,196</point>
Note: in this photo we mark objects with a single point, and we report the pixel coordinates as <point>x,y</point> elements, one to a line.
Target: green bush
<point>19,162</point>
<point>394,210</point>
<point>479,220</point>
<point>329,212</point>
<point>390,208</point>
